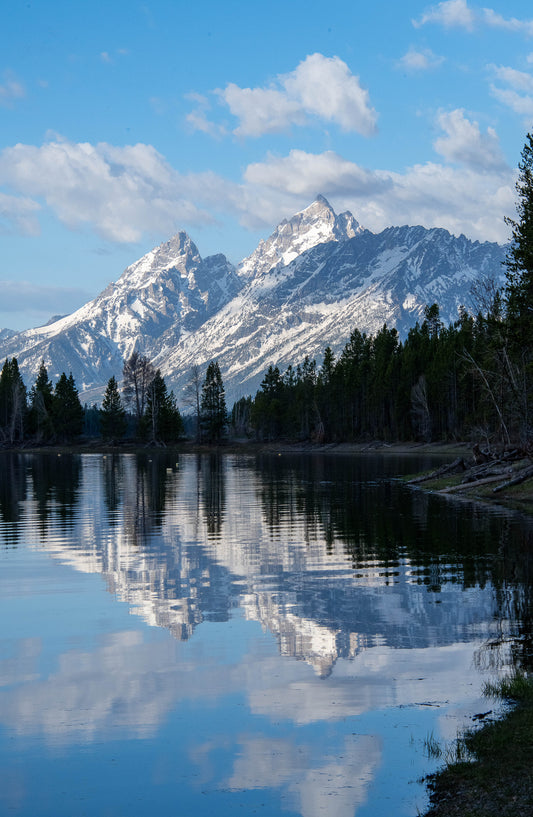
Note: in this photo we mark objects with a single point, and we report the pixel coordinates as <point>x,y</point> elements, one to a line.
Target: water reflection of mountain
<point>326,554</point>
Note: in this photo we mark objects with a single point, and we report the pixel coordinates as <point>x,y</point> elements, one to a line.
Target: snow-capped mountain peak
<point>316,224</point>
<point>179,253</point>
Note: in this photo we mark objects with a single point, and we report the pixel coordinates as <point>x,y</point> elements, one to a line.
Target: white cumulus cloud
<point>319,86</point>
<point>517,91</point>
<point>463,142</point>
<point>261,110</point>
<point>305,174</point>
<point>458,14</point>
<point>472,199</point>
<point>450,14</point>
<point>122,192</point>
<point>495,20</point>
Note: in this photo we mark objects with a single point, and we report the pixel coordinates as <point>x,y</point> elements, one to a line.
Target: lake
<point>271,634</point>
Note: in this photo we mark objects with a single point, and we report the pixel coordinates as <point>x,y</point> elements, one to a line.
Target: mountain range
<point>317,278</point>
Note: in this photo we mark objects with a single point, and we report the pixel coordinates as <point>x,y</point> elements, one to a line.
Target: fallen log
<point>465,486</point>
<point>456,465</point>
<point>522,475</point>
<point>473,475</point>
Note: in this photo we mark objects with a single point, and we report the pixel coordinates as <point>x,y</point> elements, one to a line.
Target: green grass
<point>518,687</point>
<point>489,772</point>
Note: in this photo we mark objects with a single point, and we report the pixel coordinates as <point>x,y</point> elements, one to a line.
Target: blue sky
<point>124,122</point>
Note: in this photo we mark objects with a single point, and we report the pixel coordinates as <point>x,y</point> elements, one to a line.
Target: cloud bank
<point>124,193</point>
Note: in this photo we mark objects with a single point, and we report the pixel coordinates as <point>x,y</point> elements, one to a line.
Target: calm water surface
<point>240,635</point>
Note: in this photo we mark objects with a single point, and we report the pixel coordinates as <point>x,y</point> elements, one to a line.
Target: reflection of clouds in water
<point>21,667</point>
<point>375,679</point>
<point>125,685</point>
<point>129,686</point>
<point>333,786</point>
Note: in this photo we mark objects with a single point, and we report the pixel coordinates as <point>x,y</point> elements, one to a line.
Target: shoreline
<point>248,446</point>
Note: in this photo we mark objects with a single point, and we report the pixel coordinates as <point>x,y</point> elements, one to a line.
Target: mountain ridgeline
<point>317,278</point>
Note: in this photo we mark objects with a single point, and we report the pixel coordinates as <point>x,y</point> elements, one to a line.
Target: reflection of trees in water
<point>144,494</point>
<point>13,487</point>
<point>113,476</point>
<point>172,584</point>
<point>213,492</point>
<point>514,592</point>
<point>56,481</point>
<point>384,524</point>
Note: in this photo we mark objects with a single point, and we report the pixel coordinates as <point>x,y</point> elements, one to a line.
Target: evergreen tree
<point>163,421</point>
<point>268,415</point>
<point>13,405</point>
<point>41,402</point>
<point>67,411</point>
<point>519,263</point>
<point>213,404</point>
<point>112,414</point>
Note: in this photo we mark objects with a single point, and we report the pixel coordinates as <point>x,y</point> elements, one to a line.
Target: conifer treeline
<point>54,414</point>
<point>428,387</point>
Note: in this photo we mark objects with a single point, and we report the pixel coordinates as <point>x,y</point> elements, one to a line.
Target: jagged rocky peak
<point>316,224</point>
<point>179,252</point>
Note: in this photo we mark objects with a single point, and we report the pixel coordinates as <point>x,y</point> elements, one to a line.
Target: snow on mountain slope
<point>324,293</point>
<point>167,293</point>
<point>308,286</point>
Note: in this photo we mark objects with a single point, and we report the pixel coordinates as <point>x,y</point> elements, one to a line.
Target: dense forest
<point>469,380</point>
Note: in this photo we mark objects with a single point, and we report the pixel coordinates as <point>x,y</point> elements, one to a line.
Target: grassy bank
<point>496,778</point>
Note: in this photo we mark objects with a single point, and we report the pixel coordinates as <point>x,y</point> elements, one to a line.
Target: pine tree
<point>67,410</point>
<point>13,405</point>
<point>41,401</point>
<point>213,404</point>
<point>112,414</point>
<point>163,421</point>
<point>519,288</point>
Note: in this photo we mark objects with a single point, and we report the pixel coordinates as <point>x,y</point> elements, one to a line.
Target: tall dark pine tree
<point>41,402</point>
<point>163,420</point>
<point>112,414</point>
<point>213,411</point>
<point>13,405</point>
<point>67,409</point>
<point>517,360</point>
<point>519,263</point>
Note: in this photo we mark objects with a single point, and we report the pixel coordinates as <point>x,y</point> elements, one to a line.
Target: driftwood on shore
<point>507,468</point>
<point>467,486</point>
<point>454,467</point>
<point>521,476</point>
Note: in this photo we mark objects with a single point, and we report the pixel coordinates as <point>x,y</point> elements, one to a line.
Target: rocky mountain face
<point>317,277</point>
<point>164,296</point>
